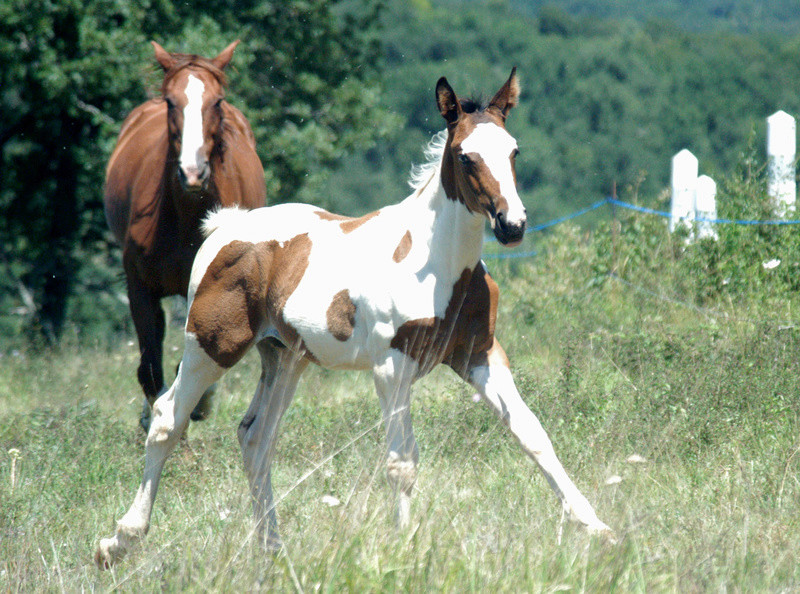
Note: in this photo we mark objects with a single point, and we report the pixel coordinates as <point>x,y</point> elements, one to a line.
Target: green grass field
<point>705,396</point>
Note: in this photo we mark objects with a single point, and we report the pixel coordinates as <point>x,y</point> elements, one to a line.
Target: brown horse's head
<point>194,88</point>
<point>478,162</point>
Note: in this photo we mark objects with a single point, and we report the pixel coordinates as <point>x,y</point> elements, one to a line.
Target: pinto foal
<point>397,291</point>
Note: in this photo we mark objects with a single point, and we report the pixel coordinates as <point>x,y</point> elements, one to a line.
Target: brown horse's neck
<point>187,208</point>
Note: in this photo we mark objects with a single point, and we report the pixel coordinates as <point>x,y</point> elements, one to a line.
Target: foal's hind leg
<point>491,376</point>
<point>281,369</point>
<point>170,417</point>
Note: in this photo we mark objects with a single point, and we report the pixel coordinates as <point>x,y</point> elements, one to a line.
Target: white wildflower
<point>330,501</point>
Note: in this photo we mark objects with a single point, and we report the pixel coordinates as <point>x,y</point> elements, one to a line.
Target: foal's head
<point>194,88</point>
<point>478,162</point>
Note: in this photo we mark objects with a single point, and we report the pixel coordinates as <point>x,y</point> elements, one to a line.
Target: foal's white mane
<point>220,216</point>
<point>422,174</point>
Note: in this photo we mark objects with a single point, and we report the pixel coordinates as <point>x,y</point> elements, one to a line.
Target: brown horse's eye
<point>465,160</point>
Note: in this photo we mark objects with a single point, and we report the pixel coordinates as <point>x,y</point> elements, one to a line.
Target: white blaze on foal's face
<point>495,149</point>
<point>192,158</point>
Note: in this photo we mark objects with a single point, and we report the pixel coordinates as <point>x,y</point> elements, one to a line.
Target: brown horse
<point>177,157</point>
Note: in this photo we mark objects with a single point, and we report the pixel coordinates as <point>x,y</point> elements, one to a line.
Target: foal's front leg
<point>170,417</point>
<point>393,379</point>
<point>491,377</point>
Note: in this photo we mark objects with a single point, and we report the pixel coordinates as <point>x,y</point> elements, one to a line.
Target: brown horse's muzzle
<point>194,179</point>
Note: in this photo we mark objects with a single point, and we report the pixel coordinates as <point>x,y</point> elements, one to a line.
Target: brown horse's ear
<point>447,101</point>
<point>508,95</point>
<point>163,57</point>
<point>224,57</point>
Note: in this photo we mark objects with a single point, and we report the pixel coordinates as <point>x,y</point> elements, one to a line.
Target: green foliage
<point>746,16</point>
<point>62,70</point>
<point>760,261</point>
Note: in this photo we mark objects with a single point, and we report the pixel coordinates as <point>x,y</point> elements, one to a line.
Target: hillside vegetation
<point>604,102</point>
<point>744,16</point>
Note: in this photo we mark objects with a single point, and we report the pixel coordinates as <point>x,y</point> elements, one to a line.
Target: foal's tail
<point>221,217</point>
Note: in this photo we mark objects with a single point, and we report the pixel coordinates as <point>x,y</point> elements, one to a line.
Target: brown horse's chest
<point>160,250</point>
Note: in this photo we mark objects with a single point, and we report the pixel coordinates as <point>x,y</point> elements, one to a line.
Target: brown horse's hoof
<point>204,407</point>
<point>145,417</point>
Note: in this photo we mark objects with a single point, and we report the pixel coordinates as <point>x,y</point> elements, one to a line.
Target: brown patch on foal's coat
<point>402,249</point>
<point>464,333</point>
<point>243,290</point>
<point>341,316</point>
<point>347,224</point>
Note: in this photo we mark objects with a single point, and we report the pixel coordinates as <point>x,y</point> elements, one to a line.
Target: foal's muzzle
<point>509,233</point>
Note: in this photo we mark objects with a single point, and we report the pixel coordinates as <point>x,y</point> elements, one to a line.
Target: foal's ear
<point>447,101</point>
<point>508,95</point>
<point>224,57</point>
<point>163,57</point>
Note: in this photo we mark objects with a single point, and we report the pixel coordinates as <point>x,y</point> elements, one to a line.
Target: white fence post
<point>684,188</point>
<point>781,149</point>
<point>706,207</point>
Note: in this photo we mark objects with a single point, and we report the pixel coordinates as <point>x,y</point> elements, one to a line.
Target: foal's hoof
<point>603,532</point>
<point>273,545</point>
<point>107,554</point>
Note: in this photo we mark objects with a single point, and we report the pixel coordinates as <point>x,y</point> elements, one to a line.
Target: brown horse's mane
<point>192,60</point>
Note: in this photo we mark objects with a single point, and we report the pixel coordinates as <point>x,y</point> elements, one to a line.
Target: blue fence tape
<point>636,208</point>
<point>574,215</point>
<point>667,215</point>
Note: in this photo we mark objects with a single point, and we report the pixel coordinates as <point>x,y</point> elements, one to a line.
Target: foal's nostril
<point>501,219</point>
<point>508,233</point>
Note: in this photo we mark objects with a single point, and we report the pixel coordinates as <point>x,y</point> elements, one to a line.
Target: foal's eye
<point>465,160</point>
<point>515,153</point>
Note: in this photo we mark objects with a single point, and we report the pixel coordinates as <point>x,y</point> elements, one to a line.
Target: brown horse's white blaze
<point>178,157</point>
<point>396,292</point>
<point>193,159</point>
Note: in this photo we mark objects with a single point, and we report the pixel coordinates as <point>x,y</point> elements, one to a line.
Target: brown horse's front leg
<point>148,320</point>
